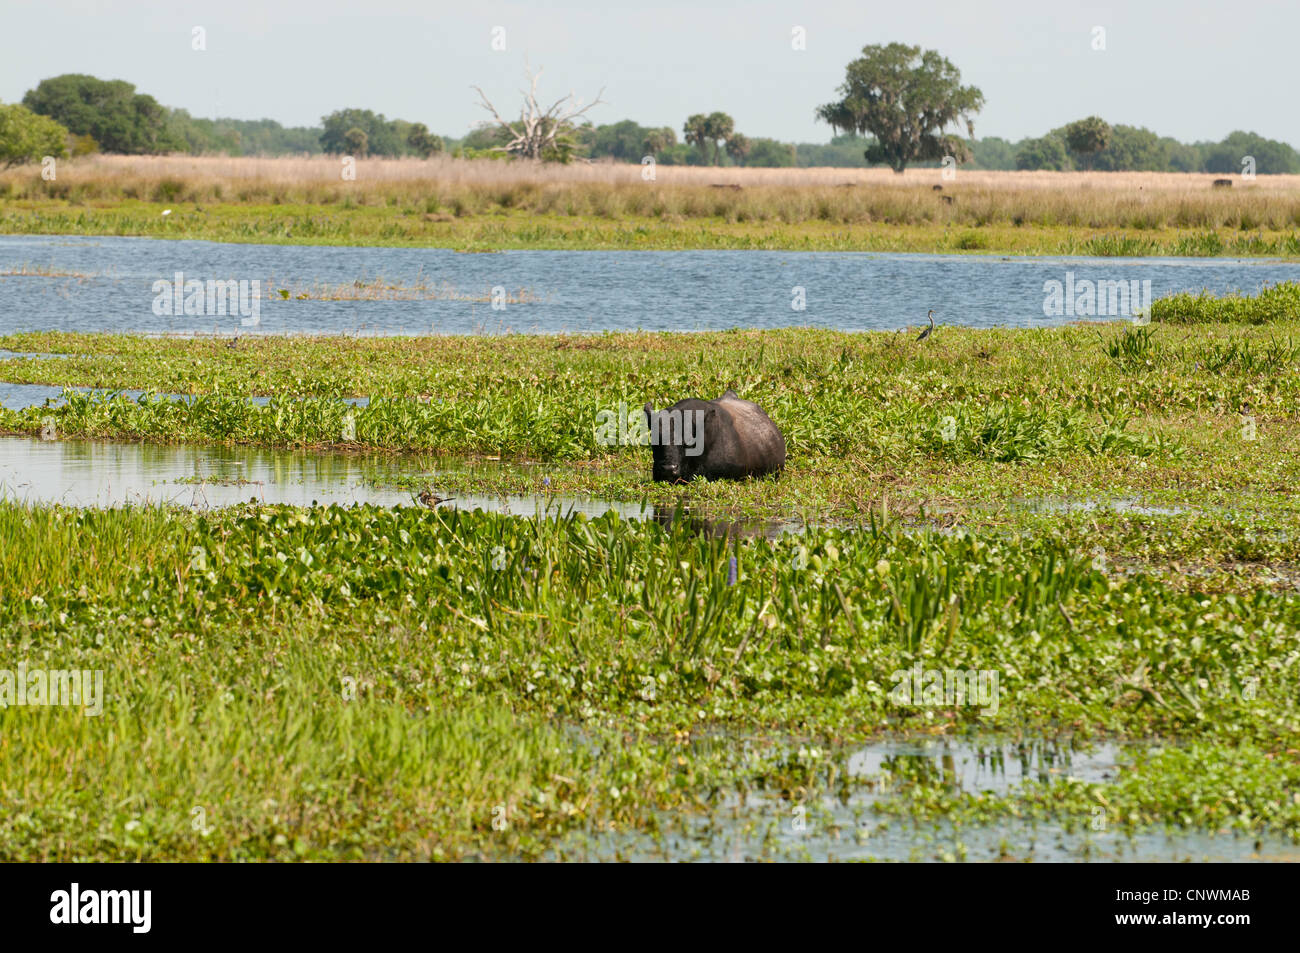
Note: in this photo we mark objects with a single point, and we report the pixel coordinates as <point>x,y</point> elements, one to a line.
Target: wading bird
<point>428,499</point>
<point>926,333</point>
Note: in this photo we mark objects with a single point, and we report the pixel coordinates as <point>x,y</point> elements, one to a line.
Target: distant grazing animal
<point>936,188</point>
<point>926,333</point>
<point>724,439</point>
<point>1223,183</point>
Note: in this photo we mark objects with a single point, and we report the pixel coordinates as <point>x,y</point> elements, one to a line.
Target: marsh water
<point>92,473</point>
<point>857,822</point>
<point>100,473</point>
<point>19,396</point>
<point>108,285</point>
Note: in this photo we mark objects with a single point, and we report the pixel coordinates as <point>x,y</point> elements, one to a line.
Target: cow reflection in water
<point>717,527</point>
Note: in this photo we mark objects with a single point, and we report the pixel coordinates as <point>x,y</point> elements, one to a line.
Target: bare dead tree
<point>538,132</point>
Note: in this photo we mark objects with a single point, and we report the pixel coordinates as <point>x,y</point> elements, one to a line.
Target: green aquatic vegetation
<point>368,683</point>
<point>477,229</point>
<point>1134,348</point>
<point>1243,354</point>
<point>1123,246</point>
<point>579,589</point>
<point>550,430</point>
<point>1224,789</point>
<point>1007,433</point>
<point>1280,302</point>
<point>1208,244</point>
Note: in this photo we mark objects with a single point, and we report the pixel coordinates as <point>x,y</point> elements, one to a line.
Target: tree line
<point>76,114</point>
<point>1137,149</point>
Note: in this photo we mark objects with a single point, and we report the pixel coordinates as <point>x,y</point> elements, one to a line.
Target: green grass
<point>1272,304</point>
<point>512,228</point>
<point>370,683</point>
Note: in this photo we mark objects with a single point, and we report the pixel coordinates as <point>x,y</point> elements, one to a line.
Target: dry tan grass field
<point>326,170</point>
<point>459,189</point>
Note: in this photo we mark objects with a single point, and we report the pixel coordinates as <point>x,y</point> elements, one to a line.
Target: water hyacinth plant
<point>241,632</point>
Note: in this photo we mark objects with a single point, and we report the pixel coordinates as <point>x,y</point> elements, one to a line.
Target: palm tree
<point>707,132</point>
<point>738,147</point>
<point>657,140</point>
<point>696,133</point>
<point>720,127</point>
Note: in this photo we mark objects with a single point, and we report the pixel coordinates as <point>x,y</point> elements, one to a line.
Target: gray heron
<point>926,333</point>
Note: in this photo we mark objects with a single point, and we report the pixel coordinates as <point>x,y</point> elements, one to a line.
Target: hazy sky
<point>1194,70</point>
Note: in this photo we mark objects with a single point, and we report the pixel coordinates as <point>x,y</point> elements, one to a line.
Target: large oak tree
<point>905,99</point>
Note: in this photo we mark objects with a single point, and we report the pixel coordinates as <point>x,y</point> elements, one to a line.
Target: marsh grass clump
<point>1204,244</point>
<point>313,419</point>
<point>1010,433</point>
<point>1119,246</point>
<point>1245,355</point>
<point>971,241</point>
<point>1134,348</point>
<point>1275,303</point>
<point>168,190</point>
